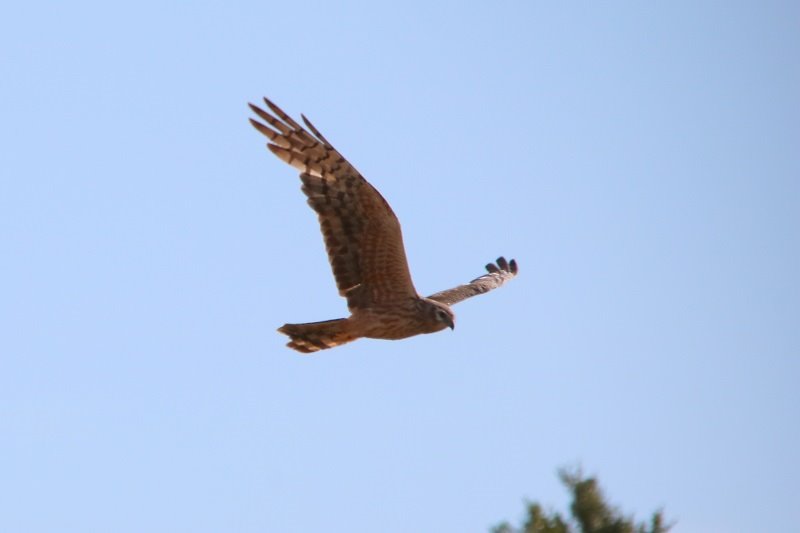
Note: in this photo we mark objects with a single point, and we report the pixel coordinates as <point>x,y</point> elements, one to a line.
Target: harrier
<point>364,244</point>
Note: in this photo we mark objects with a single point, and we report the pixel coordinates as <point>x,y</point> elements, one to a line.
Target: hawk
<point>364,244</point>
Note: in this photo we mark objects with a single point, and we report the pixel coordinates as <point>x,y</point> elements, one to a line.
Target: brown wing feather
<point>497,275</point>
<point>362,234</point>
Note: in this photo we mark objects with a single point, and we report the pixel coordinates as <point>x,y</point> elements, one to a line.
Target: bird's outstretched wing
<point>362,234</point>
<point>497,275</point>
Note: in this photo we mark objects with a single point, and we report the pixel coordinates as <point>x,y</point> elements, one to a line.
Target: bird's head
<point>437,315</point>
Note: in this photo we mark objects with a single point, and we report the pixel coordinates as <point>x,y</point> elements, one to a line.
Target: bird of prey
<point>364,244</point>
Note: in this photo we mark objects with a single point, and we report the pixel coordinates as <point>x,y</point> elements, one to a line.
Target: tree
<point>590,513</point>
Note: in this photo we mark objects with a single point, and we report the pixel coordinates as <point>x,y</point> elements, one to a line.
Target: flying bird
<point>364,244</point>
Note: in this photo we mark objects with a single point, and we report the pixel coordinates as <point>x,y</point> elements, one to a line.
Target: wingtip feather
<point>264,130</point>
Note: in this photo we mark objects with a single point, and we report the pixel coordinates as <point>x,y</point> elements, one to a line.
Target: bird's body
<point>395,321</point>
<point>365,247</point>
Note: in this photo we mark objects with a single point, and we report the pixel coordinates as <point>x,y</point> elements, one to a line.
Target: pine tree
<point>590,513</point>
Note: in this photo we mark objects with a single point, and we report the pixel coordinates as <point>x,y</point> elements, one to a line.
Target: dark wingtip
<point>275,109</point>
<point>502,266</point>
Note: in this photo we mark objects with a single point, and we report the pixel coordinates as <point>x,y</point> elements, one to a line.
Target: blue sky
<point>639,159</point>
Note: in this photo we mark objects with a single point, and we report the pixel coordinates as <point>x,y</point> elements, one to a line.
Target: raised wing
<point>362,234</point>
<point>497,275</point>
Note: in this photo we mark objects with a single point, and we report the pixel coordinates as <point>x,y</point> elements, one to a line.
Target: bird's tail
<point>315,336</point>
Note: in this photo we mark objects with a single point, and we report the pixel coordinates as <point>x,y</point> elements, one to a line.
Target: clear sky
<point>641,161</point>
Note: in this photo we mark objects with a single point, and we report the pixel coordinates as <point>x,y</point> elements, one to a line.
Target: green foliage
<point>537,522</point>
<point>589,511</point>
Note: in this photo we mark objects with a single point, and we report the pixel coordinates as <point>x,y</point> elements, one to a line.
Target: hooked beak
<point>451,324</point>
